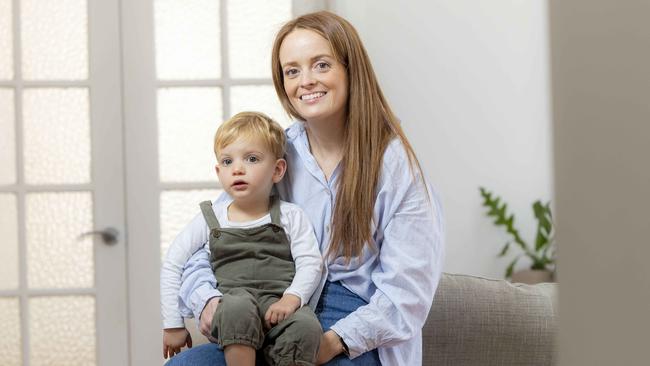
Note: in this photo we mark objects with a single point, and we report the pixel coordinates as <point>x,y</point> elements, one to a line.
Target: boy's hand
<point>282,309</point>
<point>174,339</point>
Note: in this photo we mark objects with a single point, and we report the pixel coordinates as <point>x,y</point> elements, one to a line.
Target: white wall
<point>469,80</point>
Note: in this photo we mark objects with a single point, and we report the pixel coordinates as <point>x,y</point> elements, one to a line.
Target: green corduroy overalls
<point>253,268</point>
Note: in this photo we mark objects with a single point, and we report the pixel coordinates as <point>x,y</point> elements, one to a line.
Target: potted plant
<point>542,254</point>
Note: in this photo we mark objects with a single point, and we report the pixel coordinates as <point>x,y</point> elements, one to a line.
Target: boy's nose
<point>238,169</point>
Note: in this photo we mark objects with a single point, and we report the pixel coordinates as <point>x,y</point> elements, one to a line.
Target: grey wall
<point>469,80</point>
<point>601,97</point>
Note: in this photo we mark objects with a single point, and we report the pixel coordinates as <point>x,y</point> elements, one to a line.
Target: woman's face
<point>315,82</point>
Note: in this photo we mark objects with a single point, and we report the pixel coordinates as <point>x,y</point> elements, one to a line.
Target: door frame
<point>108,180</point>
<point>142,206</point>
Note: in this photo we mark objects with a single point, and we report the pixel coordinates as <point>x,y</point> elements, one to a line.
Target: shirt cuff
<point>354,349</point>
<point>292,292</point>
<point>200,297</point>
<point>174,323</point>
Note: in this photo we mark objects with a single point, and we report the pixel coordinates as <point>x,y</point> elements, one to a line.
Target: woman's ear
<point>280,169</point>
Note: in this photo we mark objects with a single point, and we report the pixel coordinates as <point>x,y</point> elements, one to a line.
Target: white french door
<point>62,288</point>
<point>107,113</point>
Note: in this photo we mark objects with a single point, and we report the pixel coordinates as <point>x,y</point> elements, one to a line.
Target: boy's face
<point>247,169</point>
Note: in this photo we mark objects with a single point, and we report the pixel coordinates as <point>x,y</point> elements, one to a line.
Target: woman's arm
<point>410,241</point>
<point>188,241</point>
<point>198,293</point>
<point>198,284</point>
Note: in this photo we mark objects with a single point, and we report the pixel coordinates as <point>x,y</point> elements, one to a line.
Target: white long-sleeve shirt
<point>398,280</point>
<point>300,233</point>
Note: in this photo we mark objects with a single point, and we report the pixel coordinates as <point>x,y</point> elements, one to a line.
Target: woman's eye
<point>291,72</point>
<point>322,66</point>
<point>226,162</point>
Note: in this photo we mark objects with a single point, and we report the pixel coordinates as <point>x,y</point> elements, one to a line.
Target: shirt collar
<point>295,130</point>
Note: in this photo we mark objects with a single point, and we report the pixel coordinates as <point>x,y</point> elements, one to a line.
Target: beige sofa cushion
<point>478,321</point>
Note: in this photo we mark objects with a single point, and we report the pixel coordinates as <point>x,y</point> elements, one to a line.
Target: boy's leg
<point>294,341</point>
<point>239,355</point>
<point>335,303</point>
<point>237,327</point>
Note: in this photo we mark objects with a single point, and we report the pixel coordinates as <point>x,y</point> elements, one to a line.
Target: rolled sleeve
<point>198,285</point>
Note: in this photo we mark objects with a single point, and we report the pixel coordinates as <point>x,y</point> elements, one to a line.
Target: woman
<point>353,171</point>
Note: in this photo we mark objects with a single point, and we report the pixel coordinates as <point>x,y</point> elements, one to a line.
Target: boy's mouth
<point>239,184</point>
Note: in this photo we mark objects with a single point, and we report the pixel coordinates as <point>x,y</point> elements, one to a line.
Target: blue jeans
<point>335,303</point>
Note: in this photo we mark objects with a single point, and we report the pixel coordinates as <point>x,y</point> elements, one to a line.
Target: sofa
<point>480,321</point>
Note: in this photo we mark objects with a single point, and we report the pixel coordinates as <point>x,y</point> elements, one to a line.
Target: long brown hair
<point>370,126</point>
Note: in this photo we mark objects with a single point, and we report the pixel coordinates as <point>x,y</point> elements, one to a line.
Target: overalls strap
<point>275,211</point>
<point>210,217</point>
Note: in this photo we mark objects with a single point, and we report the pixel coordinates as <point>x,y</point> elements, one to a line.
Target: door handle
<point>109,235</point>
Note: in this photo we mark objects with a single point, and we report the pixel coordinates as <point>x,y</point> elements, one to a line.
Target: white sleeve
<point>306,255</point>
<point>191,239</point>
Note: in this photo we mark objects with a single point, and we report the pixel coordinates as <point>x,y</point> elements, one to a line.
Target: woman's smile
<point>312,97</point>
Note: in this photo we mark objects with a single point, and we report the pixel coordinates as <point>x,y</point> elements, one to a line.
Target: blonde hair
<point>251,125</point>
<point>370,125</point>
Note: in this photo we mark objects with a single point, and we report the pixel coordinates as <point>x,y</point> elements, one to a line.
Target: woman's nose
<point>307,79</point>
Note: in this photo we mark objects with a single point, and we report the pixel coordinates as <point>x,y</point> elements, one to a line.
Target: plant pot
<point>532,276</point>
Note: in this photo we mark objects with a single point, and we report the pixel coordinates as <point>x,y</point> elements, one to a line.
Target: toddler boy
<point>263,252</point>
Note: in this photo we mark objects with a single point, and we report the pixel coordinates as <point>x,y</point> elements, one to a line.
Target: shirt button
<point>327,228</point>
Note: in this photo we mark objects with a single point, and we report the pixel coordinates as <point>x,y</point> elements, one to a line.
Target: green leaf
<point>510,221</point>
<point>498,211</point>
<point>483,191</point>
<point>540,241</point>
<point>544,224</point>
<point>505,249</point>
<point>502,210</point>
<point>548,209</point>
<point>511,267</point>
<point>543,215</point>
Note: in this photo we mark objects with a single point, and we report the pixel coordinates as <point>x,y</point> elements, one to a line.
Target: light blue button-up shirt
<point>398,280</point>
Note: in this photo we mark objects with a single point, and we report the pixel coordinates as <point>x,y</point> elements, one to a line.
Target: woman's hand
<point>205,321</point>
<point>281,309</point>
<point>330,347</point>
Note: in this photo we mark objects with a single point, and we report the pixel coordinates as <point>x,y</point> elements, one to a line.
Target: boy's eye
<point>252,159</point>
<point>226,162</point>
